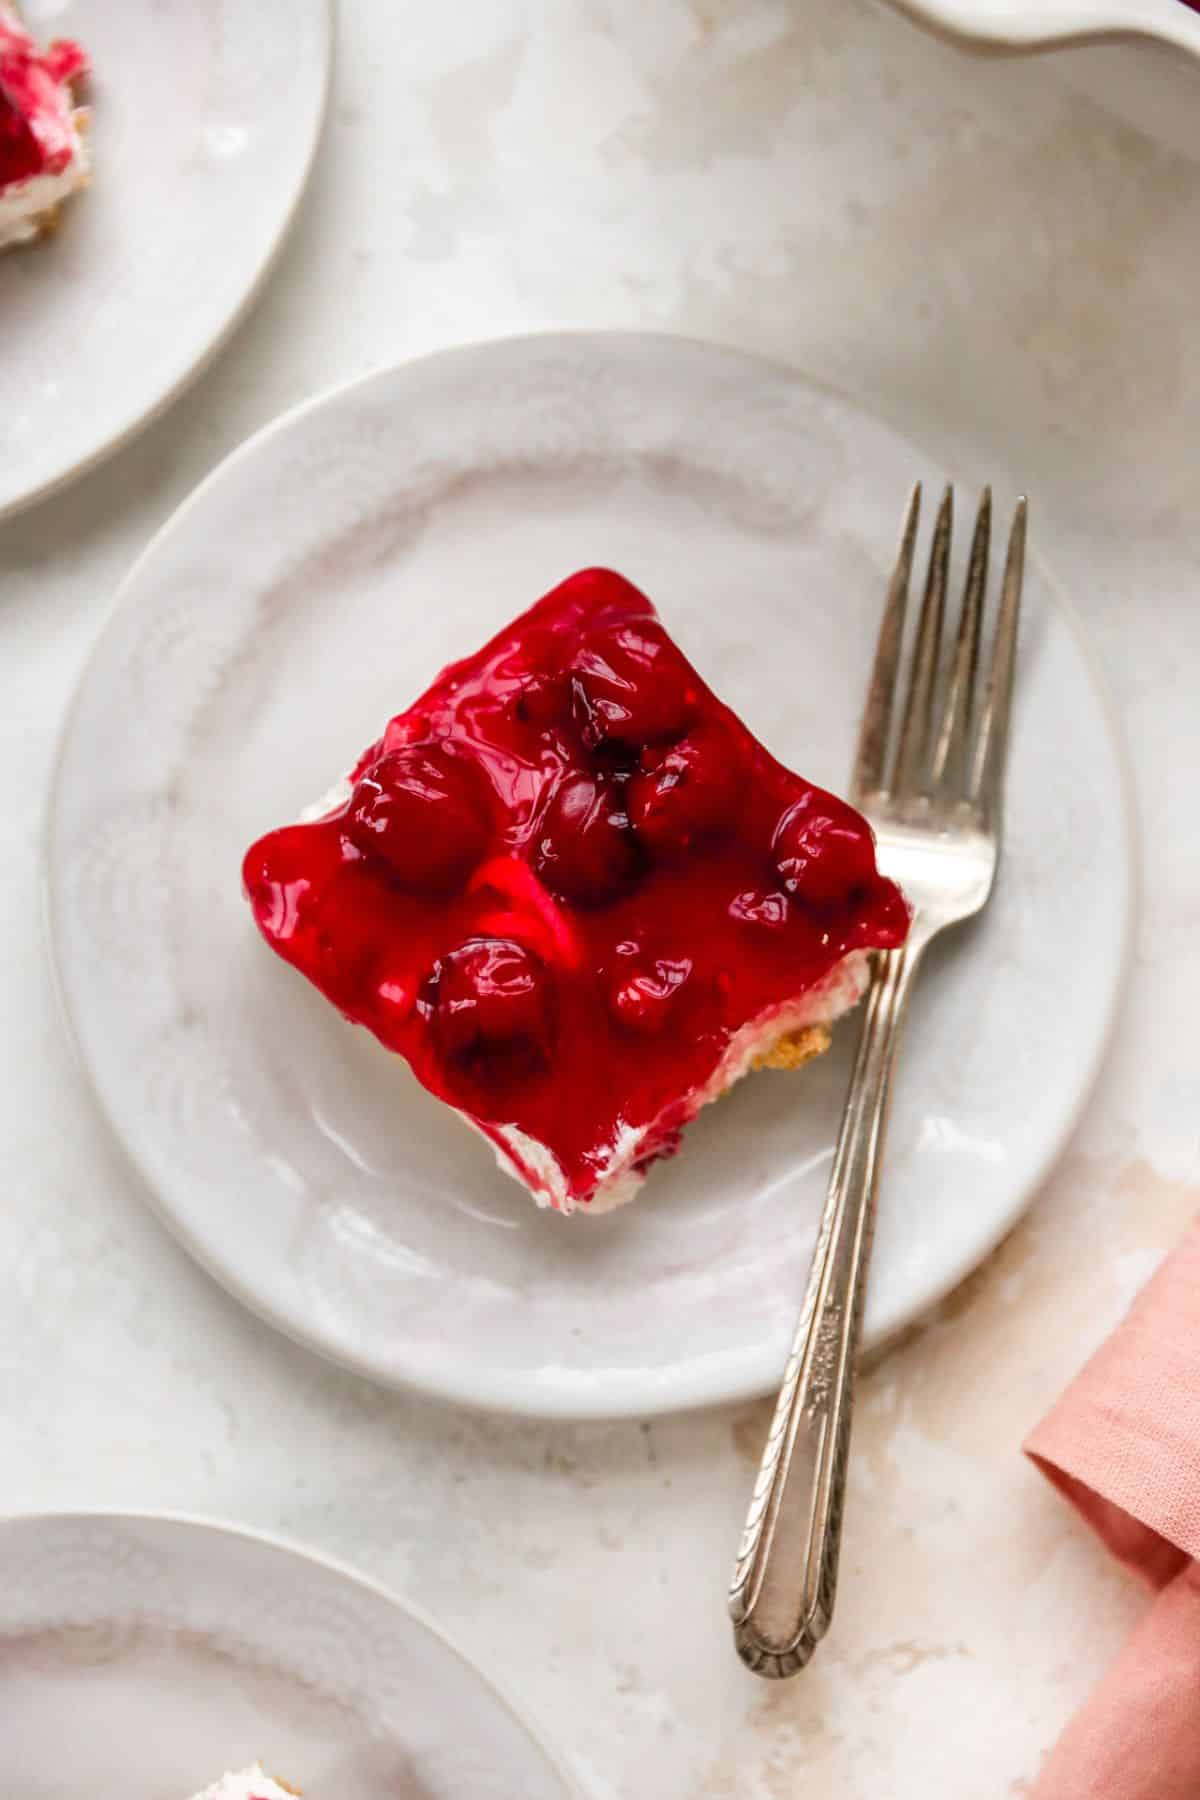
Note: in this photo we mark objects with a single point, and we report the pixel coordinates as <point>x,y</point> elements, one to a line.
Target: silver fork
<point>936,804</point>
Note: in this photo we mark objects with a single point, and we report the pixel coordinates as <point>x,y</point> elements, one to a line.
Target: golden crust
<point>795,1048</point>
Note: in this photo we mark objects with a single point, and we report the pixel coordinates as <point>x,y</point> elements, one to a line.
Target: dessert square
<point>575,893</point>
<point>43,158</point>
<point>249,1784</point>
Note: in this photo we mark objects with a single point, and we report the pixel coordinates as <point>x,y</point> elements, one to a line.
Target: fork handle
<point>782,1595</point>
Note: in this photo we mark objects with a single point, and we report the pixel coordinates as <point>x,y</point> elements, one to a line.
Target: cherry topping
<point>64,60</point>
<point>770,911</point>
<point>823,849</point>
<point>688,793</point>
<point>531,674</point>
<point>282,872</point>
<point>20,155</point>
<point>491,1006</point>
<point>420,810</point>
<point>586,850</point>
<point>631,686</point>
<point>36,134</point>
<point>543,700</point>
<point>395,996</point>
<point>643,996</point>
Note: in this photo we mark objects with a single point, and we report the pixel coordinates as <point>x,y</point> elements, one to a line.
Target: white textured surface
<point>1010,277</point>
<point>382,532</point>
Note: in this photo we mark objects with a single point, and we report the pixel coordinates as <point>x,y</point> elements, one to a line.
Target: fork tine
<point>918,709</point>
<point>986,788</point>
<point>949,757</point>
<point>877,715</point>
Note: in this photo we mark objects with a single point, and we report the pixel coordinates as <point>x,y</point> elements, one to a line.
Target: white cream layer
<point>249,1784</point>
<point>24,204</point>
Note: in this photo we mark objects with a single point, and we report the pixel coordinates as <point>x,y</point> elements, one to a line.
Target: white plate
<point>143,1656</point>
<point>1125,54</point>
<point>205,118</point>
<point>1043,24</point>
<point>309,590</point>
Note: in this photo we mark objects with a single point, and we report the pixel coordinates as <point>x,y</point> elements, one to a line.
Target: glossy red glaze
<point>605,877</point>
<point>35,134</point>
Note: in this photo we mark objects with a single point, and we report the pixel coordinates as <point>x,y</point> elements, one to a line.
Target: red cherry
<point>544,699</point>
<point>586,850</point>
<point>631,686</point>
<point>529,678</point>
<point>491,1008</point>
<point>420,810</point>
<point>689,793</point>
<point>823,849</point>
<point>643,997</point>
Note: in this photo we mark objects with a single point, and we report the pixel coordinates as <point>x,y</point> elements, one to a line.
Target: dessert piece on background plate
<point>249,1784</point>
<point>578,896</point>
<point>43,157</point>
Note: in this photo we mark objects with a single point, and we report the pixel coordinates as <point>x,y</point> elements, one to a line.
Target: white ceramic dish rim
<point>741,1383</point>
<point>190,369</point>
<point>1033,25</point>
<point>280,1543</point>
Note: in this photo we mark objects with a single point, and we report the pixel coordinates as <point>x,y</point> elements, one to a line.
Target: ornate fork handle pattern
<point>785,1577</point>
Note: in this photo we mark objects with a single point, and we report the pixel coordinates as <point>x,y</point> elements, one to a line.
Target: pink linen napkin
<point>1123,1445</point>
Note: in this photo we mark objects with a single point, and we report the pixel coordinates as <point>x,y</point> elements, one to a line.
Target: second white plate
<point>205,119</point>
<point>1139,58</point>
<point>144,1655</point>
<point>1042,24</point>
<point>307,592</point>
